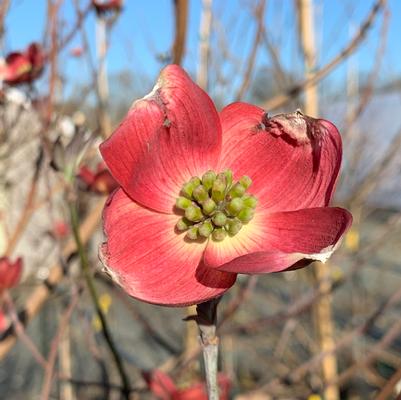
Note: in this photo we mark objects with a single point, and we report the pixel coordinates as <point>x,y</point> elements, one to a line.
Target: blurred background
<point>69,71</point>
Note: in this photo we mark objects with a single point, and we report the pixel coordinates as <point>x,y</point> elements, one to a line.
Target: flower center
<point>215,206</point>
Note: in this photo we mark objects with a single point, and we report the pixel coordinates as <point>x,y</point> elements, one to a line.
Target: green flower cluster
<point>215,206</point>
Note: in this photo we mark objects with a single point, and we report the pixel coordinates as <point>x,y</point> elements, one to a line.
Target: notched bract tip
<point>297,126</point>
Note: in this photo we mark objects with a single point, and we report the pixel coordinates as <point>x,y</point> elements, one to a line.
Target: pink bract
<point>10,272</point>
<point>23,67</point>
<point>175,133</point>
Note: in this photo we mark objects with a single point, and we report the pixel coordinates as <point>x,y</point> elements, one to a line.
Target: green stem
<point>95,298</point>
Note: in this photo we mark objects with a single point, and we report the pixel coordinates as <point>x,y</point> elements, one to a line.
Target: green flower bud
<point>193,213</point>
<point>200,194</point>
<point>218,190</point>
<point>233,226</point>
<point>189,187</point>
<point>208,178</point>
<point>222,177</point>
<point>214,206</point>
<point>192,233</point>
<point>245,181</point>
<point>250,201</point>
<point>246,215</point>
<point>183,203</point>
<point>182,224</point>
<point>205,229</point>
<point>235,206</point>
<point>219,219</point>
<point>219,234</point>
<point>208,206</point>
<point>229,177</point>
<point>237,190</point>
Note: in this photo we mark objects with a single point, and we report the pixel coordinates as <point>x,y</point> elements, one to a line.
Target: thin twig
<point>41,294</point>
<point>204,44</point>
<point>389,387</point>
<point>20,331</point>
<point>181,17</point>
<point>95,298</point>
<point>47,384</point>
<point>260,18</point>
<point>298,373</point>
<point>3,11</point>
<point>282,99</point>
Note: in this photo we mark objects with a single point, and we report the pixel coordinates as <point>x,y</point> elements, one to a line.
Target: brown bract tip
<point>299,127</point>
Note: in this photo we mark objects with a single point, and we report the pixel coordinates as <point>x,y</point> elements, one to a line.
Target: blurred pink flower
<point>23,67</point>
<point>163,387</point>
<point>10,272</point>
<point>60,229</point>
<point>4,321</point>
<point>103,6</point>
<point>98,181</point>
<point>76,51</point>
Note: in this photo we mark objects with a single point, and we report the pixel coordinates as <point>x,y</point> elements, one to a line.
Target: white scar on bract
<point>150,96</point>
<point>325,254</point>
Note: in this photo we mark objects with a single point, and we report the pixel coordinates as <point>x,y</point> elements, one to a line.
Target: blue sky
<point>145,30</point>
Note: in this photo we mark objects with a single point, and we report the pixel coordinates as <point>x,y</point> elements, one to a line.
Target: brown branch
<point>373,75</point>
<point>81,17</point>
<point>20,331</point>
<point>388,338</point>
<point>298,373</point>
<point>40,295</point>
<point>137,316</point>
<point>53,8</point>
<point>204,44</point>
<point>282,99</point>
<point>181,16</point>
<point>65,319</point>
<point>388,389</point>
<point>243,294</point>
<point>371,179</point>
<point>5,4</point>
<point>259,15</point>
<point>278,69</point>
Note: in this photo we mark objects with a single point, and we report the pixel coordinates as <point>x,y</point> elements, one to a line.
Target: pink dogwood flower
<point>207,195</point>
<point>10,272</point>
<point>23,67</point>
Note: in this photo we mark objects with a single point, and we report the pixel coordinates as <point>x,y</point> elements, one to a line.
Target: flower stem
<point>95,299</point>
<point>207,320</point>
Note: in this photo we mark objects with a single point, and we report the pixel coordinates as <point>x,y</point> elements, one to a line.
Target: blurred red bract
<point>10,272</point>
<point>163,387</point>
<point>60,229</point>
<point>103,6</point>
<point>23,67</point>
<point>99,181</point>
<point>76,51</point>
